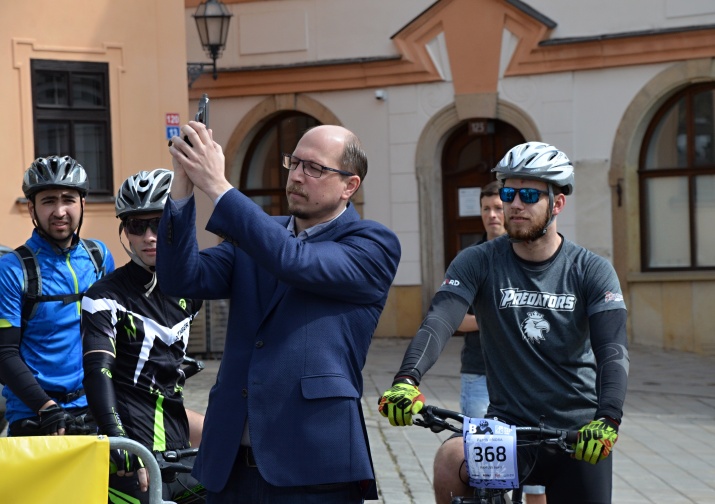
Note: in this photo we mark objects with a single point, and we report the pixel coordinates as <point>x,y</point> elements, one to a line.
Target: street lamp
<point>212,19</point>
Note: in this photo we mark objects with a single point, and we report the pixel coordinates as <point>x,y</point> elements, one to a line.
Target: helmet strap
<point>81,215</point>
<point>134,257</point>
<point>551,209</point>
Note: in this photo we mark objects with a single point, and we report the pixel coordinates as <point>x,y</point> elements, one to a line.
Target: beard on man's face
<point>298,214</point>
<point>58,235</point>
<point>292,208</point>
<point>528,232</point>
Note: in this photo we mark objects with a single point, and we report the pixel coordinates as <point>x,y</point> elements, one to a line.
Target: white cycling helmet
<point>537,161</point>
<point>145,192</point>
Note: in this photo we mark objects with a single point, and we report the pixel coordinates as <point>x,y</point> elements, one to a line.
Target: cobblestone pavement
<point>665,451</point>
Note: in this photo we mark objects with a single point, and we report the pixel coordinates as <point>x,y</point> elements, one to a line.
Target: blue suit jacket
<point>301,318</point>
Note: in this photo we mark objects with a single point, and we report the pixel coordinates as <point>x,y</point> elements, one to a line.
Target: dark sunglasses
<point>526,195</point>
<point>139,226</point>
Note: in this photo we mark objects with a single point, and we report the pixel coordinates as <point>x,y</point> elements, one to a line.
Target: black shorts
<point>566,479</point>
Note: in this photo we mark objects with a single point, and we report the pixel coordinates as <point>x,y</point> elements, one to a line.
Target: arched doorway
<point>470,152</point>
<point>428,161</point>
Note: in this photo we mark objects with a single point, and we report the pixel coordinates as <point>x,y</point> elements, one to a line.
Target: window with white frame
<point>677,183</point>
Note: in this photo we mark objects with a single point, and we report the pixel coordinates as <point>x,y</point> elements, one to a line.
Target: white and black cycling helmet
<point>54,172</point>
<point>145,192</point>
<point>537,161</point>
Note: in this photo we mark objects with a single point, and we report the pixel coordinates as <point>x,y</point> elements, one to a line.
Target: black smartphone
<point>201,116</point>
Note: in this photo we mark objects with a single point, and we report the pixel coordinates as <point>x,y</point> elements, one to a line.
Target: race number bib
<point>490,452</point>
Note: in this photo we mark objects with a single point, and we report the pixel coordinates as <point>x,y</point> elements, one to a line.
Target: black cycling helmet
<point>54,172</point>
<point>537,161</point>
<point>144,192</point>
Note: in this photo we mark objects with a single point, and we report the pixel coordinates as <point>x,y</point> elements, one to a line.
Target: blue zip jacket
<point>51,345</point>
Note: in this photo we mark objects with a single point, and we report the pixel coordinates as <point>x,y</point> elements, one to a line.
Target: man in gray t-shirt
<point>553,323</point>
<point>539,313</point>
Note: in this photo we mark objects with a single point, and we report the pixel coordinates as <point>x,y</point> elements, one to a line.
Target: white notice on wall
<point>469,202</point>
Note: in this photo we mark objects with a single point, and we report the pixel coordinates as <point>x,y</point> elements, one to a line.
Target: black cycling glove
<point>53,419</point>
<point>123,462</point>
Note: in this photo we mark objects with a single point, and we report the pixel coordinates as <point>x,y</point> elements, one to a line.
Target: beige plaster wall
<point>674,315</point>
<point>593,211</point>
<point>144,45</point>
<point>403,312</point>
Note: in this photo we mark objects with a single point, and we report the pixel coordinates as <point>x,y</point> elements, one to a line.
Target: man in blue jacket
<point>42,284</point>
<point>284,422</point>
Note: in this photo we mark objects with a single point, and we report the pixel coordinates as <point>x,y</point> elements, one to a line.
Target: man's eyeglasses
<point>310,168</point>
<point>526,195</point>
<point>139,226</point>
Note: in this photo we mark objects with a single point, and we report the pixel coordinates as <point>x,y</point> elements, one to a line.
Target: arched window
<point>263,178</point>
<point>677,183</point>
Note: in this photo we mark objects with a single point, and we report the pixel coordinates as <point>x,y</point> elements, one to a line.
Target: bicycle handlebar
<point>435,419</point>
<point>169,464</point>
<point>75,426</point>
<point>150,462</point>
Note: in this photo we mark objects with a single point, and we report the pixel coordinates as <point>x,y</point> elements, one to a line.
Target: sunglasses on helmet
<point>139,226</point>
<point>526,195</point>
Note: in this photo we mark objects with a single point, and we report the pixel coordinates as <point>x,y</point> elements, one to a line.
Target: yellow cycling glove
<point>596,440</point>
<point>400,402</point>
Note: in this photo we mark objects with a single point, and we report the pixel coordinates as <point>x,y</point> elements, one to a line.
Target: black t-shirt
<point>148,334</point>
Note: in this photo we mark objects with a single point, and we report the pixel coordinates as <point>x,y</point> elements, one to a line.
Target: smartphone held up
<point>201,116</point>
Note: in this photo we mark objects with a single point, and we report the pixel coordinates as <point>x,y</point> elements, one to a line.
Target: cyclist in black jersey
<point>134,341</point>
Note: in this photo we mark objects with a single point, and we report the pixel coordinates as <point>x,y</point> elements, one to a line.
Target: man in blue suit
<point>284,422</point>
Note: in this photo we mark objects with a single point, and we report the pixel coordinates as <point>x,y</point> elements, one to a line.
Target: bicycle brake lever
<point>435,426</point>
<point>170,456</point>
<point>434,423</point>
<point>560,442</point>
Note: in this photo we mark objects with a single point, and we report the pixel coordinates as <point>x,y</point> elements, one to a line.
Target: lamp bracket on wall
<point>195,70</point>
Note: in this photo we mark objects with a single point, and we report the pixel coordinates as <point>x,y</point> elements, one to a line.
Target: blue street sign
<point>172,131</point>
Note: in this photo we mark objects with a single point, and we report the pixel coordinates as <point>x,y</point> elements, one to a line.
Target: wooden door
<point>469,154</point>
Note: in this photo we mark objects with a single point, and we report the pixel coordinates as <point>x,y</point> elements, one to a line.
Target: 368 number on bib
<point>490,452</point>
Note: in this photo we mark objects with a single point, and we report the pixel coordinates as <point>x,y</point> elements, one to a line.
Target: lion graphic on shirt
<point>534,327</point>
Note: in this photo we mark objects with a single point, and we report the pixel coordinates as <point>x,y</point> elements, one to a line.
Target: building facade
<point>97,80</point>
<point>437,91</point>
